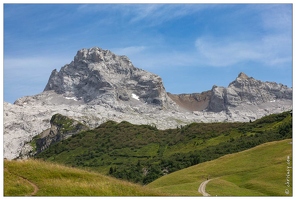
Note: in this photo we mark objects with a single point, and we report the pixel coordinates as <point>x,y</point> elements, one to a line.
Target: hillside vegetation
<point>39,178</point>
<point>264,170</point>
<point>142,153</point>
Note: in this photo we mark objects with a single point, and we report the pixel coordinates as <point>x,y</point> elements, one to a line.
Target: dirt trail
<point>32,184</point>
<point>202,188</point>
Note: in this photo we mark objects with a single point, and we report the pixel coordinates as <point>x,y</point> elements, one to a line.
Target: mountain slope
<point>192,102</point>
<point>57,180</point>
<point>260,171</point>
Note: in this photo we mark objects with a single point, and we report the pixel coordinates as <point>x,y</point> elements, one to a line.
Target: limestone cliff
<point>99,76</point>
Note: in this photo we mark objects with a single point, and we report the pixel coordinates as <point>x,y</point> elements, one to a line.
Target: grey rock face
<point>98,76</point>
<point>217,101</point>
<point>243,90</point>
<point>247,90</point>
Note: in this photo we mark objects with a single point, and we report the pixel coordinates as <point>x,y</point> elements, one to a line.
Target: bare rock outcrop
<point>99,76</point>
<point>247,90</point>
<point>62,127</point>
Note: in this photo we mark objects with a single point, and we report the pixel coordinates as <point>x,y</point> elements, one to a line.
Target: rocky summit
<point>98,86</point>
<point>99,76</point>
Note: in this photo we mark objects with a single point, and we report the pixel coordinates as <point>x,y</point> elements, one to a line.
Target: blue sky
<point>191,46</point>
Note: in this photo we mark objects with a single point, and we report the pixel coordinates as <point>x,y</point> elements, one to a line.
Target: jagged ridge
<point>243,90</point>
<point>247,90</point>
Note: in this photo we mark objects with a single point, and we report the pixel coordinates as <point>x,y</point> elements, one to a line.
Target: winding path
<point>202,188</point>
<point>32,184</point>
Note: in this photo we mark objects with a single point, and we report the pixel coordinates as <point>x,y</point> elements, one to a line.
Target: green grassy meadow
<point>58,180</point>
<point>260,171</point>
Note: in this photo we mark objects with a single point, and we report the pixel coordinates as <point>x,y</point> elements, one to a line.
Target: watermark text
<point>288,175</point>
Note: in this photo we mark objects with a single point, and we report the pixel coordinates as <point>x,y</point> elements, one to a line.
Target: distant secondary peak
<point>242,75</point>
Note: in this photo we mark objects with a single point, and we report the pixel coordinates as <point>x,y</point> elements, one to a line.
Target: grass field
<point>260,171</point>
<point>57,180</point>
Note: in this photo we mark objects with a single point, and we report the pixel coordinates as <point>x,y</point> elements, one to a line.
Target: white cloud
<point>152,14</point>
<point>220,52</point>
<point>271,46</point>
<point>156,14</point>
<point>142,12</point>
<point>216,52</point>
<point>277,17</point>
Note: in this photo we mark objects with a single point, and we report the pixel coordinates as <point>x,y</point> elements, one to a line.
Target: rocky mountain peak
<point>242,75</point>
<point>242,79</point>
<point>98,76</point>
<point>98,55</point>
<point>247,90</point>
